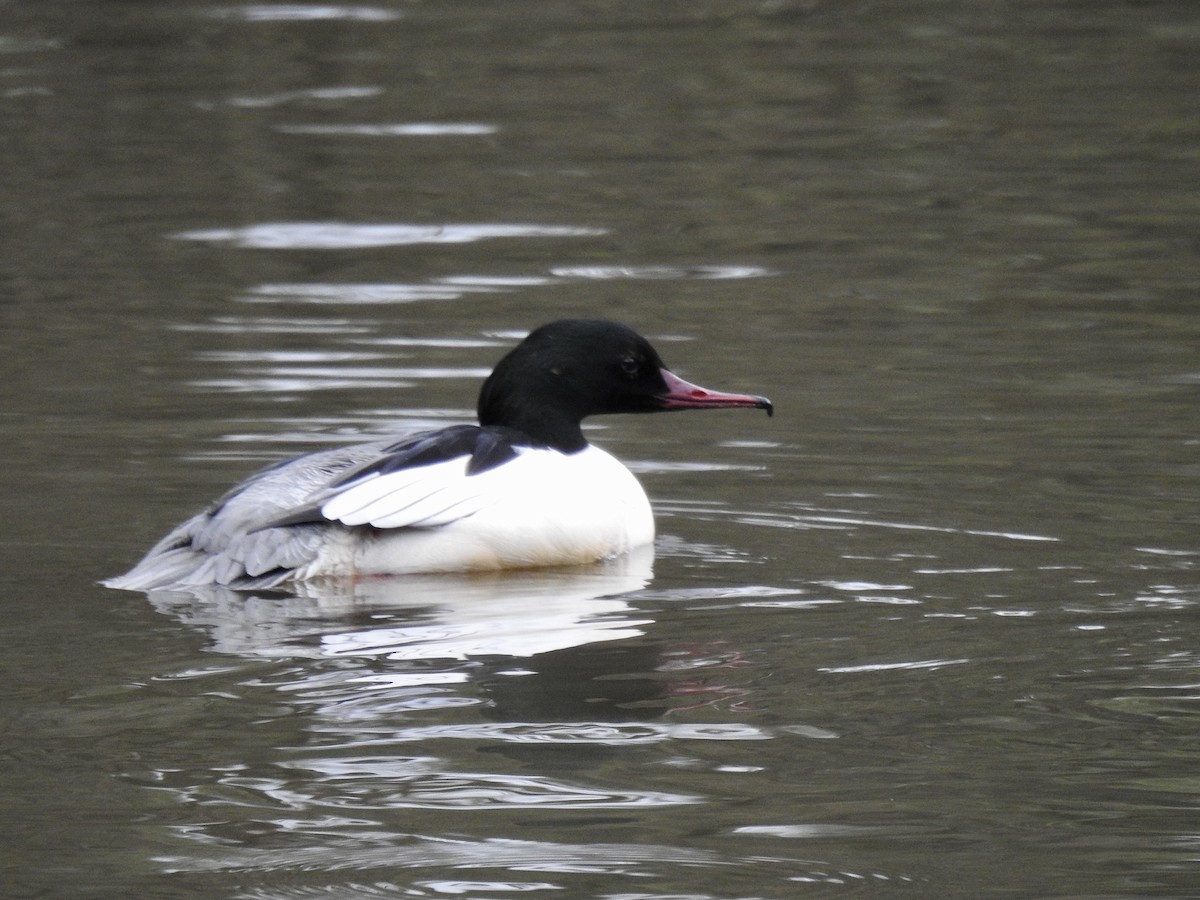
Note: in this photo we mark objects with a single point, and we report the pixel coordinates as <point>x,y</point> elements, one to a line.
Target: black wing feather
<point>487,447</point>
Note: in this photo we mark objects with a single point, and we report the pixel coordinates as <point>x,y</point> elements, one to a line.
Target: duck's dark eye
<point>630,366</point>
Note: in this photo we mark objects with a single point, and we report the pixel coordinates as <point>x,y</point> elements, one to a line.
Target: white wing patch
<point>427,496</point>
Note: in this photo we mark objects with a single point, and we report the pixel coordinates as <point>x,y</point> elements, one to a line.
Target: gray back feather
<point>233,542</point>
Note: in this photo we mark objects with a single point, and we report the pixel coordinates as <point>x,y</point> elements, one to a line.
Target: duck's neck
<point>555,430</point>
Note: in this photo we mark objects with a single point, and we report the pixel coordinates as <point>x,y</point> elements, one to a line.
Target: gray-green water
<point>930,631</point>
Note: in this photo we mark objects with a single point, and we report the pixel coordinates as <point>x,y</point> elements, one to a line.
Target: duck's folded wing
<point>277,521</point>
<point>233,542</point>
<point>410,498</point>
<point>400,493</point>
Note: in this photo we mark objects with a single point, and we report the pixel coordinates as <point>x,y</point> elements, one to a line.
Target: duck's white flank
<point>543,508</point>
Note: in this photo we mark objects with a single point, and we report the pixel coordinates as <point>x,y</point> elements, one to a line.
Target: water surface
<point>930,631</point>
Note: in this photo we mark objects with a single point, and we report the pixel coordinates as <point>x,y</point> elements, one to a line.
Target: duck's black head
<point>568,370</point>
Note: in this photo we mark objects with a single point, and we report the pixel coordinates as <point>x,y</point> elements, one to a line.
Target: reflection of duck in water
<point>422,617</point>
<point>561,643</point>
<point>522,489</point>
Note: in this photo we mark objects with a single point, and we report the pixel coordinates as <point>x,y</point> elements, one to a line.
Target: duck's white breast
<point>543,508</point>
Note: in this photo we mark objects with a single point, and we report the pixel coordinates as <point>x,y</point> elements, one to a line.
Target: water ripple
<point>350,235</point>
<point>818,519</point>
<point>474,887</point>
<point>389,783</point>
<point>661,273</point>
<point>362,294</point>
<point>592,733</point>
<point>281,98</point>
<point>272,325</point>
<point>295,12</point>
<point>411,851</point>
<point>909,665</point>
<point>449,287</point>
<point>286,356</point>
<point>399,129</point>
<point>815,830</point>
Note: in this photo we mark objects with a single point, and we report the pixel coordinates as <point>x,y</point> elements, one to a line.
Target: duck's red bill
<point>682,394</point>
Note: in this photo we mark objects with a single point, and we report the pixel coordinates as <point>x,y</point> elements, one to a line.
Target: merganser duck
<point>522,489</point>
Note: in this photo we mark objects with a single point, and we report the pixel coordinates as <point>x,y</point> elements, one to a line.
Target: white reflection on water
<point>276,371</point>
<point>647,466</point>
<point>452,343</point>
<point>610,734</point>
<point>362,294</point>
<point>422,782</point>
<point>317,378</point>
<point>332,236</point>
<point>419,618</point>
<point>317,381</point>
<point>352,235</point>
<point>521,632</point>
<point>399,129</point>
<point>289,356</point>
<point>295,12</point>
<point>272,325</point>
<point>661,273</point>
<point>421,851</point>
<point>908,665</point>
<point>814,830</point>
<point>281,98</point>
<point>804,518</point>
<point>818,519</point>
<point>444,886</point>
